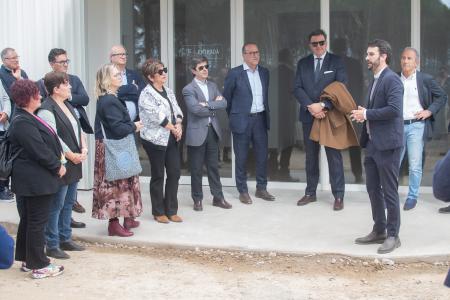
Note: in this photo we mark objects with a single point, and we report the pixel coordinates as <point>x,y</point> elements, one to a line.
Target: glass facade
<point>280,29</point>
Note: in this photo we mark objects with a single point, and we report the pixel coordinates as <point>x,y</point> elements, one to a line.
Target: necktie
<point>317,70</point>
<point>374,85</point>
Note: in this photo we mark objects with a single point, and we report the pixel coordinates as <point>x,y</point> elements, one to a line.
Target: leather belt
<point>407,122</point>
<point>256,114</point>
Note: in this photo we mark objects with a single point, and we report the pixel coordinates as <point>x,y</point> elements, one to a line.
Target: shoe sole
<point>46,275</point>
<point>222,206</point>
<point>305,203</point>
<point>389,250</point>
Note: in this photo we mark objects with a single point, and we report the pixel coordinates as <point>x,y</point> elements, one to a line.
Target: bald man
<point>132,82</point>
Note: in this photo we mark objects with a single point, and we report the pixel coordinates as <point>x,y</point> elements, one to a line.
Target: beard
<point>373,65</point>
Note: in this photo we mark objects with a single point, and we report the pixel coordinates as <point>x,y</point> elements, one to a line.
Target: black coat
<point>35,170</point>
<point>68,136</point>
<point>114,117</point>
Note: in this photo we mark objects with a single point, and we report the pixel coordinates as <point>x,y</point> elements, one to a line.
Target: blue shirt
<point>257,90</point>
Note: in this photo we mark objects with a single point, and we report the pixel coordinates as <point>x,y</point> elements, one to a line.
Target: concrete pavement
<point>279,226</point>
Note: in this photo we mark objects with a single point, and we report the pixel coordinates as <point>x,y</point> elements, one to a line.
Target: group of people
<point>50,136</point>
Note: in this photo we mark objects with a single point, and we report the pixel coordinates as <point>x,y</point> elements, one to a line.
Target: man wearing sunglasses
<point>314,73</point>
<point>203,133</point>
<point>246,90</point>
<point>132,82</point>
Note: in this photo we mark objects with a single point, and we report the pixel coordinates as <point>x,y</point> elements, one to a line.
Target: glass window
<point>280,30</point>
<point>202,27</point>
<point>353,23</point>
<point>435,60</point>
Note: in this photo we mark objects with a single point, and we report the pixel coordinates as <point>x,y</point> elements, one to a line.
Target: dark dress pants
<point>382,168</point>
<point>31,232</point>
<point>168,158</point>
<point>256,133</point>
<point>335,166</point>
<point>3,183</point>
<point>208,154</point>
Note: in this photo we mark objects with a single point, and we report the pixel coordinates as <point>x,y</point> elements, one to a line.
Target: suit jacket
<point>35,170</point>
<point>385,113</point>
<point>336,129</point>
<point>441,184</point>
<point>130,91</point>
<point>198,115</point>
<point>239,97</point>
<point>432,97</point>
<point>79,99</point>
<point>306,90</point>
<point>8,79</point>
<point>65,131</point>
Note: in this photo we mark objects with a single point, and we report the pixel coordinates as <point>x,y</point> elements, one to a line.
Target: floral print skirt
<point>113,199</point>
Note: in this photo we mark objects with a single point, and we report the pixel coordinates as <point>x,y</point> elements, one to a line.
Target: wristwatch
<point>322,104</point>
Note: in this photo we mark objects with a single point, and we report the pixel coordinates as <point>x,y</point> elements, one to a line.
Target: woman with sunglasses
<point>161,117</point>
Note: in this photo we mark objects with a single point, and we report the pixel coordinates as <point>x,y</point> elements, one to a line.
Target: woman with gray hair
<point>121,197</point>
<point>161,117</point>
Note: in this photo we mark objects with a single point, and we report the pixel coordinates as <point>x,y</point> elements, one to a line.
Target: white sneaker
<point>49,271</point>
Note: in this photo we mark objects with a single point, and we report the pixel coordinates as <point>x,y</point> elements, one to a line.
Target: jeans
<point>413,140</point>
<point>58,227</point>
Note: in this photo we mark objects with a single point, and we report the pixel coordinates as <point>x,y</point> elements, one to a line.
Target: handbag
<point>7,156</point>
<point>121,157</point>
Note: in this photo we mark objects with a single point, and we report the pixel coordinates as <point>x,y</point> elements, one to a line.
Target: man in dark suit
<point>315,72</point>
<point>422,100</point>
<point>59,62</point>
<point>10,72</point>
<point>203,133</point>
<point>382,136</point>
<point>132,82</point>
<point>246,90</point>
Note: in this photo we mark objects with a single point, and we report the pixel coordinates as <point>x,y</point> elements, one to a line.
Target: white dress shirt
<point>411,101</point>
<point>257,90</point>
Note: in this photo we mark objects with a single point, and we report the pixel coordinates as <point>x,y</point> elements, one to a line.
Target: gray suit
<point>202,137</point>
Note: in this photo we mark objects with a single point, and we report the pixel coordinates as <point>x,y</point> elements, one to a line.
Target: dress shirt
<point>411,101</point>
<point>129,104</point>
<point>257,90</point>
<point>319,61</point>
<point>203,85</point>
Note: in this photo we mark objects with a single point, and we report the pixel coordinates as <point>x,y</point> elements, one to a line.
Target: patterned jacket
<point>154,109</point>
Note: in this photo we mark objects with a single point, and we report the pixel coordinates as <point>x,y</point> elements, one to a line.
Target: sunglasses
<point>163,70</point>
<point>203,67</point>
<point>315,44</point>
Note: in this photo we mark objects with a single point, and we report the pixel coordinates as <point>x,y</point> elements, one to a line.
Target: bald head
<point>118,56</point>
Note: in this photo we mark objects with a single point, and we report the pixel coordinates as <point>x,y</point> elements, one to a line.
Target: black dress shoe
<point>245,198</point>
<point>198,205</point>
<point>264,194</point>
<point>221,202</point>
<point>372,238</point>
<point>75,224</point>
<point>338,204</point>
<point>71,246</point>
<point>57,253</point>
<point>444,210</point>
<point>306,199</point>
<point>389,245</point>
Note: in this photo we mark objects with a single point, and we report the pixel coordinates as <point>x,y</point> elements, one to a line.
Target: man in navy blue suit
<point>246,90</point>
<point>315,72</point>
<point>132,82</point>
<point>382,136</point>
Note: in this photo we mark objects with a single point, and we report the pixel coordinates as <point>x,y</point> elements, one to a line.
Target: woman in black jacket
<point>119,198</point>
<point>35,177</point>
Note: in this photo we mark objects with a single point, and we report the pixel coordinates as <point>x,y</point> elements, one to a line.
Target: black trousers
<point>208,154</point>
<point>164,201</point>
<point>382,168</point>
<point>30,243</point>
<point>335,165</point>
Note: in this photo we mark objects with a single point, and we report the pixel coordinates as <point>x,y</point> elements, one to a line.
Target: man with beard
<point>382,136</point>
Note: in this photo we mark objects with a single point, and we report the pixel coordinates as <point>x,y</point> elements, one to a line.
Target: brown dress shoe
<point>176,218</point>
<point>245,198</point>
<point>161,219</point>
<point>338,204</point>
<point>306,199</point>
<point>78,208</point>
<point>221,202</point>
<point>264,194</point>
<point>198,205</point>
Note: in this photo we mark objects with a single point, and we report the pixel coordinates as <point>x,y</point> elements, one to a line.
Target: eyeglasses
<point>13,58</point>
<point>63,62</point>
<point>119,54</point>
<point>255,53</point>
<point>163,70</point>
<point>315,44</point>
<point>203,67</point>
